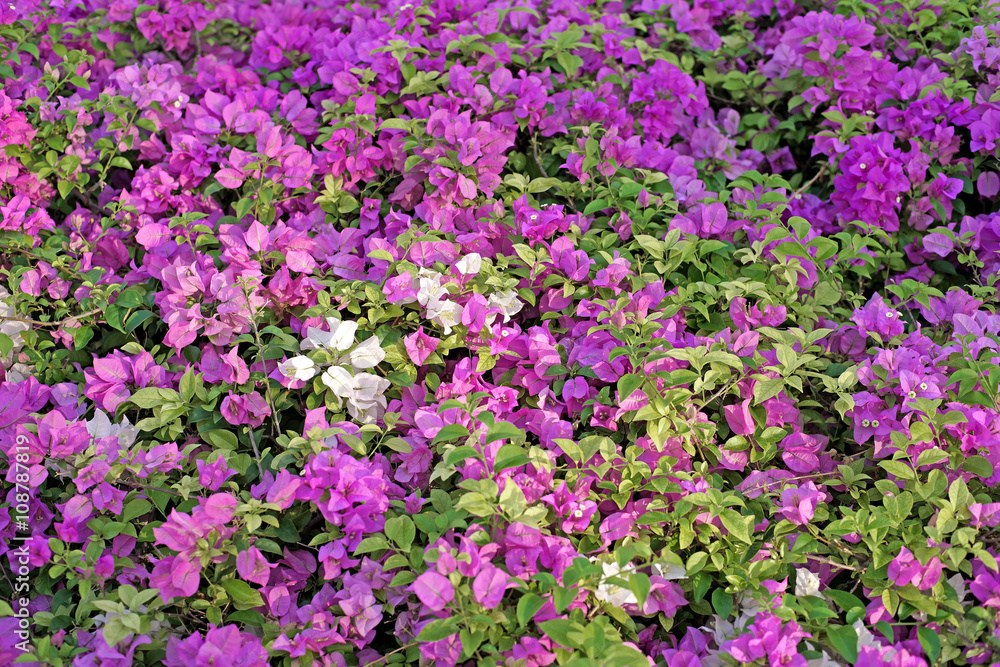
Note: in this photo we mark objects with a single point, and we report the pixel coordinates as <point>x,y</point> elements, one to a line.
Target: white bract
<point>339,338</point>
<point>669,570</point>
<point>612,593</point>
<point>722,630</point>
<point>823,661</point>
<point>363,393</point>
<point>806,583</point>
<point>865,638</point>
<point>507,302</point>
<point>429,287</point>
<point>15,372</point>
<point>470,265</point>
<point>367,401</point>
<point>101,426</point>
<point>957,581</point>
<point>339,381</point>
<point>368,354</point>
<point>445,314</point>
<point>301,368</point>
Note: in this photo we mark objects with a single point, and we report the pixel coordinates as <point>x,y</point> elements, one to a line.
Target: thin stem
<point>834,563</point>
<point>812,180</point>
<point>382,660</point>
<point>256,452</point>
<point>39,323</point>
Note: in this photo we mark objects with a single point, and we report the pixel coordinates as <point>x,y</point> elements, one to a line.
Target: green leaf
<point>930,457</point>
<point>845,600</point>
<point>639,584</point>
<point>438,630</point>
<point>372,543</point>
<point>476,503</point>
<point>978,465</point>
<point>512,499</point>
<point>137,318</point>
<point>563,631</point>
<point>220,439</point>
<point>151,397</point>
<point>401,530</point>
<point>242,595</point>
<point>739,526</point>
<point>450,432</point>
<point>898,468</point>
<point>395,124</point>
<point>504,431</point>
<point>459,454</point>
<point>722,602</point>
<point>844,640</point>
<point>561,598</point>
<point>243,206</point>
<point>30,48</point>
<point>136,508</point>
<point>931,642</point>
<point>65,188</point>
<point>529,605</point>
<point>765,389</point>
<point>627,384</point>
<point>247,617</point>
<point>188,385</point>
<point>509,456</point>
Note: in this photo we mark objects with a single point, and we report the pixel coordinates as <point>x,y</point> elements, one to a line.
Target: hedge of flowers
<point>520,332</point>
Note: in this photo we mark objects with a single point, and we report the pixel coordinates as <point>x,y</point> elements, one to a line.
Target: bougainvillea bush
<point>500,332</point>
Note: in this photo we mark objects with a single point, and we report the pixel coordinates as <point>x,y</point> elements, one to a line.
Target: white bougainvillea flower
<point>865,637</point>
<point>368,388</point>
<point>824,660</point>
<point>470,265</point>
<point>340,382</point>
<point>445,314</point>
<point>368,354</point>
<point>367,401</point>
<point>101,426</point>
<point>300,368</point>
<point>669,570</point>
<point>507,302</point>
<point>339,338</point>
<point>614,594</point>
<point>16,372</point>
<point>429,287</point>
<point>806,582</point>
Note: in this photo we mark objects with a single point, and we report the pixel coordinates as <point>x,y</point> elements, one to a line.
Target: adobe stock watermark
<point>20,559</point>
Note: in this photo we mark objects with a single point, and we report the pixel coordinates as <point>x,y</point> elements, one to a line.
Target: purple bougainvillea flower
<point>434,590</point>
<point>253,566</point>
<point>906,569</point>
<point>419,346</point>
<point>249,409</point>
<point>489,586</point>
<point>739,418</point>
<point>175,576</point>
<point>798,505</point>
